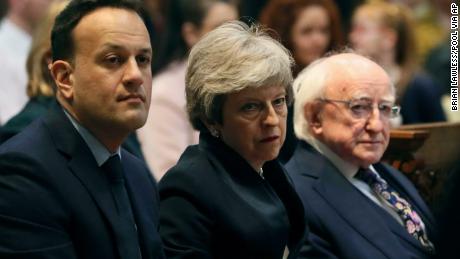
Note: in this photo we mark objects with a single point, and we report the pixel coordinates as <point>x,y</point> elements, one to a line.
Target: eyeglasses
<point>362,108</point>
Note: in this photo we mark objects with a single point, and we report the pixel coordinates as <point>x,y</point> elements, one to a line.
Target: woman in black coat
<point>228,197</point>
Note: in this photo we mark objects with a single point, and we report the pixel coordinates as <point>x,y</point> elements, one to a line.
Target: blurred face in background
<point>34,10</point>
<point>217,14</point>
<point>367,35</point>
<point>310,34</point>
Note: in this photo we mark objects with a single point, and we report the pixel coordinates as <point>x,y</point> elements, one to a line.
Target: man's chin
<point>133,122</point>
<point>367,161</point>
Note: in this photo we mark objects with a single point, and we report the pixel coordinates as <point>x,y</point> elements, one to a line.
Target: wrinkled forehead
<point>362,79</point>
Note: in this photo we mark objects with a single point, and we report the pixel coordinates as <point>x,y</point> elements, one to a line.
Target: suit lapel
<point>347,201</point>
<point>82,164</point>
<point>85,169</point>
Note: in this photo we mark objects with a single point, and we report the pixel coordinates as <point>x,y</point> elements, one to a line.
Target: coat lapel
<point>347,201</point>
<point>82,164</point>
<point>85,169</point>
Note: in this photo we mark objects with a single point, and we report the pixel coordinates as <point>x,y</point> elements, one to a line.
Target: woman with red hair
<point>308,28</point>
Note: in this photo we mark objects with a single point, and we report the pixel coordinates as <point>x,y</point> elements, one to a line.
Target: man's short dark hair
<point>62,43</point>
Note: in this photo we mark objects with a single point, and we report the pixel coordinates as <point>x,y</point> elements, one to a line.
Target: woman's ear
<point>63,77</point>
<point>213,127</point>
<point>190,33</point>
<point>312,114</point>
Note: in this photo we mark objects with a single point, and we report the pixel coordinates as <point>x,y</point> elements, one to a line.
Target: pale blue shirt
<point>99,151</point>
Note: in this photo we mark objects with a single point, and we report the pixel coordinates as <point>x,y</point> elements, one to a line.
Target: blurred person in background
<point>168,131</point>
<point>431,23</point>
<point>309,29</point>
<point>437,62</point>
<point>16,29</point>
<point>40,85</point>
<point>156,10</point>
<point>228,196</point>
<point>385,33</point>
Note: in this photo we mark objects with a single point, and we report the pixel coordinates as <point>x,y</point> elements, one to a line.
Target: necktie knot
<point>113,168</point>
<point>366,175</point>
<point>372,179</point>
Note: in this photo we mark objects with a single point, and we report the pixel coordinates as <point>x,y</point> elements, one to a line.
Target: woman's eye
<point>251,107</point>
<point>280,101</point>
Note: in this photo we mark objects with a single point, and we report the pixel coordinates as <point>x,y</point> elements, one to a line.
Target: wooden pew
<point>425,153</point>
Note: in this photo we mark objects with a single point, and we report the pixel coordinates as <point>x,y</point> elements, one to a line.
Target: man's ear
<point>62,73</point>
<point>312,113</point>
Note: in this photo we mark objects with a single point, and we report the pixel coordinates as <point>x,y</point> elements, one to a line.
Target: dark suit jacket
<point>214,205</point>
<point>55,201</point>
<point>37,107</point>
<point>343,222</point>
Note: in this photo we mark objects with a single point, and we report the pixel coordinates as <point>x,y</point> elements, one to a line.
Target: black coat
<point>55,201</point>
<point>214,205</point>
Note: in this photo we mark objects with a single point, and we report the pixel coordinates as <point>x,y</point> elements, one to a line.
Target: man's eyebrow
<point>113,46</point>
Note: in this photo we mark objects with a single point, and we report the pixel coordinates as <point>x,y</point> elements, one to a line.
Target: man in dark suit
<point>356,207</point>
<point>67,190</point>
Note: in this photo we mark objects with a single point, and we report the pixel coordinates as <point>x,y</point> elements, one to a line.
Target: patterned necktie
<point>409,217</point>
<point>127,237</point>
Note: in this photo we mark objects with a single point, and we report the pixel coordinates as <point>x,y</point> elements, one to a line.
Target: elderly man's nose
<point>375,122</point>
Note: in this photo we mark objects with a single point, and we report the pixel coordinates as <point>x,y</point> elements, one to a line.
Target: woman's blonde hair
<point>229,59</point>
<point>40,82</point>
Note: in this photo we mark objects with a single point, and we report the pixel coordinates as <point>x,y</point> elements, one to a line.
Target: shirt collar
<point>100,152</point>
<point>347,169</point>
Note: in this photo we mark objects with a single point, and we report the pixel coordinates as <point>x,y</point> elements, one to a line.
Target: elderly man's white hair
<point>309,85</point>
